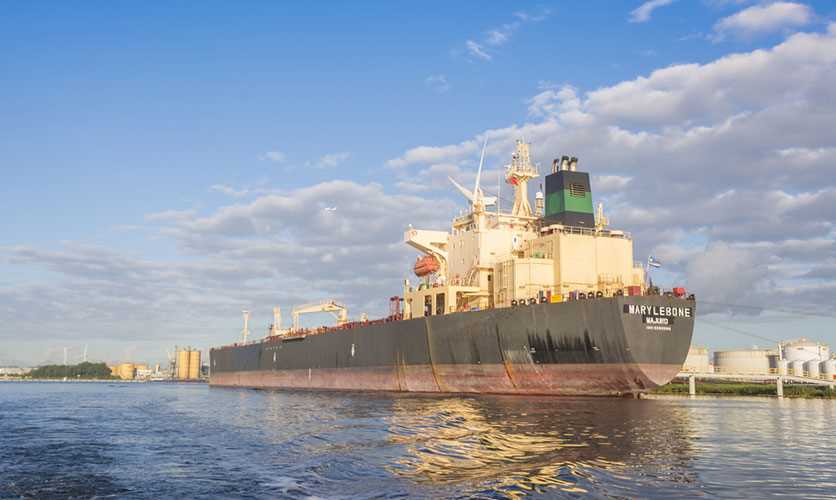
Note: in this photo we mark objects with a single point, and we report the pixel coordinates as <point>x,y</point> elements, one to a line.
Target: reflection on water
<point>568,445</point>
<point>161,441</point>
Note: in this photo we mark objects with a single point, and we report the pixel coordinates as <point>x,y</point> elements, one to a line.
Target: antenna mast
<point>478,200</point>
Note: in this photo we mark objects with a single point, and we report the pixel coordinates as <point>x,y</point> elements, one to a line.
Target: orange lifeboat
<point>426,265</point>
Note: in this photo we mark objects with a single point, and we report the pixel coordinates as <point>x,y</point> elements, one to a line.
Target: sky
<point>167,164</point>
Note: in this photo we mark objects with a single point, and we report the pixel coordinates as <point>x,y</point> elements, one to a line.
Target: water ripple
<point>169,440</point>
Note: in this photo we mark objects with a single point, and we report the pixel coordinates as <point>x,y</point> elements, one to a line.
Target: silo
<point>812,368</point>
<point>782,367</point>
<point>182,365</point>
<point>194,365</point>
<point>126,371</point>
<point>697,360</point>
<point>754,361</point>
<point>828,369</point>
<point>796,368</point>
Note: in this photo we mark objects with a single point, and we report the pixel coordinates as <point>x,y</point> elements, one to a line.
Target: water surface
<point>187,440</point>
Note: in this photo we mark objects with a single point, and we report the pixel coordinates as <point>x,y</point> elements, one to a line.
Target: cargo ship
<point>546,301</point>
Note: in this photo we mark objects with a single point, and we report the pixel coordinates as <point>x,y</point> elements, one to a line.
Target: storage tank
<point>805,350</point>
<point>697,360</point>
<point>796,368</point>
<point>182,365</point>
<point>126,371</point>
<point>751,361</point>
<point>782,367</point>
<point>828,369</point>
<point>194,365</point>
<point>812,368</point>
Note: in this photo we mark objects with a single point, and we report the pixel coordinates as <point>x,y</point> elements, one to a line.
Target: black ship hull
<point>603,346</point>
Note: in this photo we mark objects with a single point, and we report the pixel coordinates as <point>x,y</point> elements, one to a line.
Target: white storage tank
<point>828,369</point>
<point>697,360</point>
<point>750,361</point>
<point>796,368</point>
<point>805,349</point>
<point>812,368</point>
<point>782,367</point>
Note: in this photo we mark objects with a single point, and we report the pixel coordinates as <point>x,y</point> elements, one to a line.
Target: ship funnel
<point>555,165</point>
<point>568,196</point>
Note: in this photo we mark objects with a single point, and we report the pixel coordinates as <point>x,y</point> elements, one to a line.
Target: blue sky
<point>173,139</point>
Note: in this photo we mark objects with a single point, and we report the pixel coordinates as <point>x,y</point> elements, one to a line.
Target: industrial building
<point>13,371</point>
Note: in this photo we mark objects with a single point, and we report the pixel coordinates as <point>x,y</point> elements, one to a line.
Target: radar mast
<point>518,173</point>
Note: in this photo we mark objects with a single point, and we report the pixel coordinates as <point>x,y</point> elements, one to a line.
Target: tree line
<point>82,370</point>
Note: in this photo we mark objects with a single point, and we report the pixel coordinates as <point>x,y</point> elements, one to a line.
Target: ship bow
<point>658,333</point>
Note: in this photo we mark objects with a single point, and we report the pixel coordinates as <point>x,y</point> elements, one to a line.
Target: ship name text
<point>657,311</point>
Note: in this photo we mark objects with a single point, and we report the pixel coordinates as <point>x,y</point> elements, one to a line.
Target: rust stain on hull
<point>557,380</point>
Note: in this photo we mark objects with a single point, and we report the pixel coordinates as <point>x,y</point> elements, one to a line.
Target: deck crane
<point>339,311</point>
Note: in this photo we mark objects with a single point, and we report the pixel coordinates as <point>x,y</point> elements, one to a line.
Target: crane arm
<point>339,311</point>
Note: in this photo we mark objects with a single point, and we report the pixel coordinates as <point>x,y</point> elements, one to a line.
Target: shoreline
<point>104,381</point>
<point>742,389</point>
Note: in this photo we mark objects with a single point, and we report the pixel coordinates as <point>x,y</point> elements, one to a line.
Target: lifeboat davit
<point>426,265</point>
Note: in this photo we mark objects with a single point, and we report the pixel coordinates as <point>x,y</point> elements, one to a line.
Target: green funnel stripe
<point>563,201</point>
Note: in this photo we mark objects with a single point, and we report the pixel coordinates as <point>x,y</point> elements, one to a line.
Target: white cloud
<point>643,12</point>
<point>553,100</point>
<point>477,50</point>
<point>275,156</point>
<point>333,159</point>
<point>610,183</point>
<point>438,83</point>
<point>500,35</point>
<point>433,154</point>
<point>761,19</point>
<point>229,190</point>
<point>169,215</point>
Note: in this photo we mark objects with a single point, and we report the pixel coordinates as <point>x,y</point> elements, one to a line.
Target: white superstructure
<point>493,259</point>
